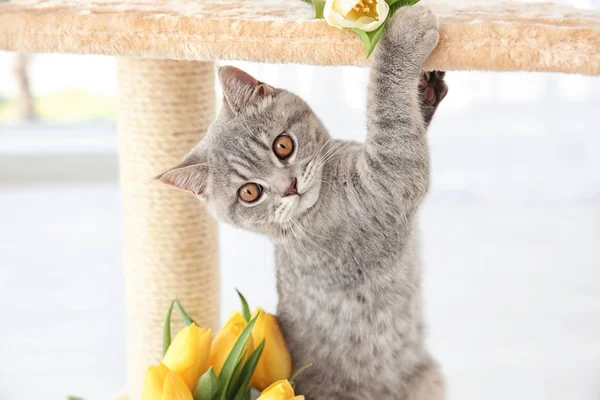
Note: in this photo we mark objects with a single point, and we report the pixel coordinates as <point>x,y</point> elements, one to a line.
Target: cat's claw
<point>433,89</point>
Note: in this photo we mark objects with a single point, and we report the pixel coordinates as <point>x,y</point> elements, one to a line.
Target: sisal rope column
<point>170,242</point>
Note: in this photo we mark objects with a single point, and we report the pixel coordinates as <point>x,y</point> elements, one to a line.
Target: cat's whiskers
<point>310,167</point>
<point>334,157</point>
<point>336,152</point>
<point>331,153</point>
<point>274,216</point>
<point>292,266</point>
<point>309,175</point>
<point>324,144</point>
<point>289,213</point>
<point>318,235</point>
<point>332,149</point>
<point>328,182</point>
<point>299,242</point>
<point>281,231</point>
<point>337,148</point>
<point>285,213</point>
<point>305,233</point>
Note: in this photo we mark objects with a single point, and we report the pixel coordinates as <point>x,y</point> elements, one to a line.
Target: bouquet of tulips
<point>249,352</point>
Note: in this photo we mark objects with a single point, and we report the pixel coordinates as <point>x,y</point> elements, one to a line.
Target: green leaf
<point>235,377</point>
<point>247,371</point>
<point>167,330</point>
<point>186,318</point>
<point>207,386</point>
<point>400,3</point>
<point>375,37</point>
<point>299,372</point>
<point>319,7</point>
<point>370,39</point>
<point>227,372</point>
<point>245,308</point>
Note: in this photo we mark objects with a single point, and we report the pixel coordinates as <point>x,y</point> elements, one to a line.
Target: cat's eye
<point>250,192</point>
<point>283,146</point>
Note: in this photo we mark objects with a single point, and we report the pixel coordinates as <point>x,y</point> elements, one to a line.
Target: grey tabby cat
<point>342,215</point>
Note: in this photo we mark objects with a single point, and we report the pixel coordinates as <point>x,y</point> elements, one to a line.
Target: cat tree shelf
<point>170,242</point>
<point>475,34</point>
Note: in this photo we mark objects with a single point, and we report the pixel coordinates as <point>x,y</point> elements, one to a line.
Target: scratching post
<point>170,242</point>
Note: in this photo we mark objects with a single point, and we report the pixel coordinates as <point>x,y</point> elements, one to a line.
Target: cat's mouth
<point>307,196</point>
<point>301,195</point>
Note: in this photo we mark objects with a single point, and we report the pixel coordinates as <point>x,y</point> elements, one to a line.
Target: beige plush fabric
<point>475,34</point>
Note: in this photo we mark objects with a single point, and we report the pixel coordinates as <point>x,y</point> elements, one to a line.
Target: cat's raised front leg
<point>396,151</point>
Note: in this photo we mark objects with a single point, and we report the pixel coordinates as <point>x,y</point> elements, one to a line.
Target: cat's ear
<point>190,176</point>
<point>241,89</point>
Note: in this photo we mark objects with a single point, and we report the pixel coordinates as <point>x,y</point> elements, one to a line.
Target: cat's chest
<point>349,255</point>
<point>345,286</point>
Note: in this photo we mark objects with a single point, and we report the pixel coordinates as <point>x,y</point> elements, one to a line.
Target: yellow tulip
<point>162,384</point>
<point>280,390</point>
<point>225,340</point>
<point>188,354</point>
<point>154,382</point>
<point>275,363</point>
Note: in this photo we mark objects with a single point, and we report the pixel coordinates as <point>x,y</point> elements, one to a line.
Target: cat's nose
<point>292,190</point>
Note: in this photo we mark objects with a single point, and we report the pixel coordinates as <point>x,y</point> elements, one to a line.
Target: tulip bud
<point>366,15</point>
<point>275,363</point>
<point>280,390</point>
<point>225,340</point>
<point>188,354</point>
<point>162,384</point>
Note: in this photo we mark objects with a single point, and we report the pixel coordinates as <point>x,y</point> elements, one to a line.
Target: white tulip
<point>367,15</point>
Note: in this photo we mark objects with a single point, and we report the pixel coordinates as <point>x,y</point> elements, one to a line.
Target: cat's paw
<point>416,29</point>
<point>433,87</point>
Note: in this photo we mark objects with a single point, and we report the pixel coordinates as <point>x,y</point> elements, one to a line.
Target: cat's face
<point>260,165</point>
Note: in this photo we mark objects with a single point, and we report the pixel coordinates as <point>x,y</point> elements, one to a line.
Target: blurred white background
<point>511,230</point>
